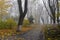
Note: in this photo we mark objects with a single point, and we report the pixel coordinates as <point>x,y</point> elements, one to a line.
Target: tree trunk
<point>22,14</point>
<point>57,11</point>
<point>50,20</point>
<point>52,9</point>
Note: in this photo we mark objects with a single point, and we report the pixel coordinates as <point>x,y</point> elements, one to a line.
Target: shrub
<point>26,22</point>
<point>2,24</point>
<point>58,26</point>
<point>31,19</point>
<point>52,32</point>
<point>8,24</point>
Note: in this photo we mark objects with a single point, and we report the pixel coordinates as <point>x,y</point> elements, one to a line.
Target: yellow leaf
<point>4,7</point>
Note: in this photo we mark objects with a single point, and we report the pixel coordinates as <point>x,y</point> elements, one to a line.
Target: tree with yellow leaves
<point>4,8</point>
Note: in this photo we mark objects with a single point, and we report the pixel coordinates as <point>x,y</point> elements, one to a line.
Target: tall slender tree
<point>48,11</point>
<point>22,13</point>
<point>57,11</point>
<point>52,9</point>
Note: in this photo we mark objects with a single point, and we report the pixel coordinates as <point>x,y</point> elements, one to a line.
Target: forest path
<point>35,34</point>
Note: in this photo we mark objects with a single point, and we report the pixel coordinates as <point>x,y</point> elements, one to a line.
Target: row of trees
<point>53,5</point>
<point>54,10</point>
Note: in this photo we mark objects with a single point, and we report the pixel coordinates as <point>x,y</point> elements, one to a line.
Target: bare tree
<point>48,11</point>
<point>57,11</point>
<point>52,9</point>
<point>22,13</point>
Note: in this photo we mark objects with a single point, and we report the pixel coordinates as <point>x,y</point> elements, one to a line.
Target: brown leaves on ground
<point>24,29</point>
<point>10,32</point>
<point>6,32</point>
